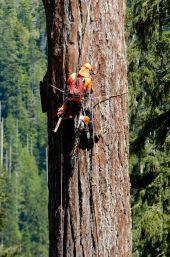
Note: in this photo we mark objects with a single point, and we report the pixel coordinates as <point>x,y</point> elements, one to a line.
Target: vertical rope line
<point>77,161</point>
<point>62,148</point>
<point>95,161</point>
<point>62,160</point>
<point>61,181</point>
<point>77,201</point>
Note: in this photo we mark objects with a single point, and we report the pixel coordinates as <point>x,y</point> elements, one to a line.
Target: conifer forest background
<point>23,128</point>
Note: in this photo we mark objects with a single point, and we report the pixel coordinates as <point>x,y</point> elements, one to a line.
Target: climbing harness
<point>75,89</point>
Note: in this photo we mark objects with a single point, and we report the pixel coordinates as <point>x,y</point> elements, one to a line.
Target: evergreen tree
<point>149,45</point>
<point>5,200</point>
<point>30,219</point>
<point>22,58</point>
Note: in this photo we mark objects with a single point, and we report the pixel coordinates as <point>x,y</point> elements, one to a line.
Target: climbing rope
<point>62,161</point>
<point>60,90</point>
<point>61,214</point>
<point>95,162</point>
<point>73,153</point>
<point>95,97</point>
<point>107,98</point>
<point>77,170</point>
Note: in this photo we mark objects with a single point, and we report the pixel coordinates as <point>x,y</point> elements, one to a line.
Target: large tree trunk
<point>89,205</point>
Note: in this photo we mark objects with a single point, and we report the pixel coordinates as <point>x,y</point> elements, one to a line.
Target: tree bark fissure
<point>89,212</point>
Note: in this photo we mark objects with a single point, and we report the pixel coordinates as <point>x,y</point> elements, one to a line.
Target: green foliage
<point>22,67</point>
<point>4,200</point>
<point>148,66</point>
<point>10,252</point>
<point>23,214</point>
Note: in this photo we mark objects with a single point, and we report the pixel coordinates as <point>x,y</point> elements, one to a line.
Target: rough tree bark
<point>91,217</point>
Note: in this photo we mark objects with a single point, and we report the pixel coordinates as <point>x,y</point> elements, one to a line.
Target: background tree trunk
<point>91,217</point>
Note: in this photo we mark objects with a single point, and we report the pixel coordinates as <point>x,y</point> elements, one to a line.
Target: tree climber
<point>79,100</point>
<point>79,87</point>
